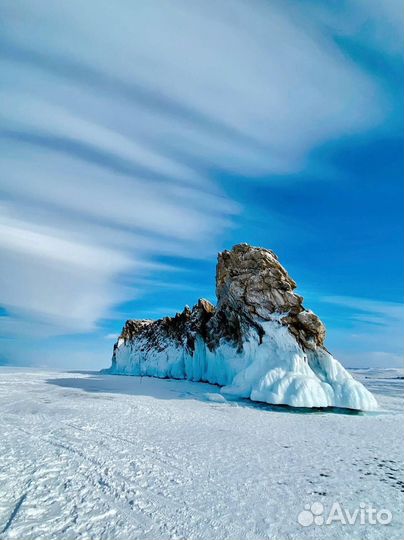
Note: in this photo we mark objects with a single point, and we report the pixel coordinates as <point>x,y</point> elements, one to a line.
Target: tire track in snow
<point>126,441</point>
<point>112,491</point>
<point>145,497</point>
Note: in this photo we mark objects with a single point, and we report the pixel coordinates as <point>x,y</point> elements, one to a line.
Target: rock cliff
<point>258,342</point>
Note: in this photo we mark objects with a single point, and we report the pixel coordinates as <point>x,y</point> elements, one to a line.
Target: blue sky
<point>138,139</point>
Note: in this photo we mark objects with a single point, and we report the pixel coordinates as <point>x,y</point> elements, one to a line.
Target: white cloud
<point>44,119</point>
<point>372,334</point>
<point>234,83</point>
<point>370,22</point>
<point>113,119</point>
<point>112,336</point>
<point>384,311</point>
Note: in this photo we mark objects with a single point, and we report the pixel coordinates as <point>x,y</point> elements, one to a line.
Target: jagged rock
<point>180,329</point>
<point>259,342</point>
<point>252,282</point>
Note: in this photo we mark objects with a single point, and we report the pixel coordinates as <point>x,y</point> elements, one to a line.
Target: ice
<point>85,455</point>
<point>276,371</point>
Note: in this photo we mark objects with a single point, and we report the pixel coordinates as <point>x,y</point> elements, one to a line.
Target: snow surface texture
<point>88,456</point>
<point>258,343</point>
<point>275,371</point>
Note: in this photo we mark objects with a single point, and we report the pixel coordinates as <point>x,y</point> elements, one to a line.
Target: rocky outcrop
<point>258,342</point>
<point>252,282</point>
<point>180,330</point>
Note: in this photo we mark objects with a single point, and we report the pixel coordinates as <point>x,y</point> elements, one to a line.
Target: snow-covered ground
<point>84,455</point>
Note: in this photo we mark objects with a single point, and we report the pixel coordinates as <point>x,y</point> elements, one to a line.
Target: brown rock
<point>252,287</point>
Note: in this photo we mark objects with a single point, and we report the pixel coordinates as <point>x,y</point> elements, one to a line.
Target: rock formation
<point>258,342</point>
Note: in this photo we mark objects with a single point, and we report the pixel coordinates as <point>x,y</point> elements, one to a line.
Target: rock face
<point>258,342</point>
<point>253,283</point>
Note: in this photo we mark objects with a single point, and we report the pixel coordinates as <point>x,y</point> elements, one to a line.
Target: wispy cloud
<point>381,311</point>
<point>111,336</point>
<point>373,333</point>
<point>117,120</point>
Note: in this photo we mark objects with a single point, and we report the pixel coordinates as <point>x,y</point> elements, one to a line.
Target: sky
<point>138,139</point>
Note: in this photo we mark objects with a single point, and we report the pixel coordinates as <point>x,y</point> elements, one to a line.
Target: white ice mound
<point>258,343</point>
<point>279,372</point>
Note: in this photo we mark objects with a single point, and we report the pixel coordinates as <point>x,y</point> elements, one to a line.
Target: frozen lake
<point>84,455</point>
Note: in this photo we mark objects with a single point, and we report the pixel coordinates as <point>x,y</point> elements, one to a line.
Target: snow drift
<point>259,342</point>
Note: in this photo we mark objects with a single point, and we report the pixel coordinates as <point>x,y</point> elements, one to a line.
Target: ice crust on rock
<point>259,342</point>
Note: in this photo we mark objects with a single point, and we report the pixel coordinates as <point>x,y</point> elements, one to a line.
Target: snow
<point>91,456</point>
<point>276,371</point>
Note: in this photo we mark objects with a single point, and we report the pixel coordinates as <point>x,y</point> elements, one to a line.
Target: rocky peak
<point>258,342</point>
<point>133,328</point>
<point>254,279</point>
<point>251,287</point>
<point>252,282</point>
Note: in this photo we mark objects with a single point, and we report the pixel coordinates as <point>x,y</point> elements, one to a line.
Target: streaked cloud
<point>118,120</point>
<point>372,333</point>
